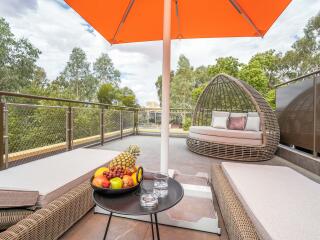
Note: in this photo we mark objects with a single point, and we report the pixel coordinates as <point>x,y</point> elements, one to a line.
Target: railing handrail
<point>297,79</point>
<point>159,109</point>
<point>36,97</point>
<point>29,96</point>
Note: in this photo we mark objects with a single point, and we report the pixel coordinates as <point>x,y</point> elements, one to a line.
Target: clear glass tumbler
<point>148,198</point>
<point>161,184</point>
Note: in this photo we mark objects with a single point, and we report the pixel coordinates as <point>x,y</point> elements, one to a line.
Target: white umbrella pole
<point>165,86</point>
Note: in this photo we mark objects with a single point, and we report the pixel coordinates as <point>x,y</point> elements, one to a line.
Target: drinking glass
<point>161,184</point>
<point>148,198</point>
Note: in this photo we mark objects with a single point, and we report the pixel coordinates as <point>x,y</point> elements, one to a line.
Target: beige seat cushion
<point>55,175</point>
<point>226,140</point>
<point>18,198</point>
<point>227,133</point>
<point>281,203</point>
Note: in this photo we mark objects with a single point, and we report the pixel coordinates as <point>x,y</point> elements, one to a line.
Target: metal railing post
<point>121,125</point>
<point>102,125</point>
<point>69,129</point>
<point>136,122</point>
<point>3,136</point>
<point>315,151</point>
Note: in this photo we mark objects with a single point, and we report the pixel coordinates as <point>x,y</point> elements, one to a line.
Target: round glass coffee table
<point>129,203</point>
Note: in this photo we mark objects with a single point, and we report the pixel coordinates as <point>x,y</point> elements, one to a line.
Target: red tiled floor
<point>92,227</point>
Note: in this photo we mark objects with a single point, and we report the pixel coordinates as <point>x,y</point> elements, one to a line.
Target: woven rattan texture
<point>225,93</point>
<point>237,222</point>
<point>9,217</point>
<point>53,220</point>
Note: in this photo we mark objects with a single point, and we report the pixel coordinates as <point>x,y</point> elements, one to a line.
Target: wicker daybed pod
<point>225,93</point>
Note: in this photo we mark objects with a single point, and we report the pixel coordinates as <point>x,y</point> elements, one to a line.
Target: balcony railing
<point>149,121</point>
<point>32,126</point>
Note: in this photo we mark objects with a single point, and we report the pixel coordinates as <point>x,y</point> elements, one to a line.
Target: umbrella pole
<point>165,115</point>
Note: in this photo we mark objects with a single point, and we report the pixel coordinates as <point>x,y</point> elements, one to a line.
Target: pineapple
<point>134,150</point>
<point>124,159</point>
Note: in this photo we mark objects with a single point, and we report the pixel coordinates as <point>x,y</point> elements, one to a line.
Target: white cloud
<point>17,7</point>
<point>55,29</point>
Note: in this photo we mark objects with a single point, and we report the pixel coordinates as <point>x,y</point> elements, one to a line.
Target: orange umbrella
<point>123,21</point>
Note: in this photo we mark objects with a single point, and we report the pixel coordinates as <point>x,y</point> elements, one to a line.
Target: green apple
<point>116,183</point>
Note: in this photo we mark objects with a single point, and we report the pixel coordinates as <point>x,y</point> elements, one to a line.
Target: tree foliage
<point>17,60</point>
<point>77,76</point>
<point>111,94</point>
<point>182,84</point>
<point>105,71</point>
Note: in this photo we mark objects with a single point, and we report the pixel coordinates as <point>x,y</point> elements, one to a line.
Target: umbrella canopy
<point>124,21</point>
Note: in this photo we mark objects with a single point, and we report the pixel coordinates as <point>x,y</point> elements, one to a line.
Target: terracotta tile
<point>174,233</point>
<point>93,226</point>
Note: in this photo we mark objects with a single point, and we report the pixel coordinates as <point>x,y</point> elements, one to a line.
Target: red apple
<point>106,183</point>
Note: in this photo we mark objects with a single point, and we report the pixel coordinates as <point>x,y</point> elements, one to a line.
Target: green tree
<point>105,71</point>
<point>107,93</point>
<point>201,76</point>
<point>77,76</point>
<point>127,97</point>
<point>228,65</point>
<point>182,84</point>
<point>196,92</point>
<point>159,85</point>
<point>17,60</point>
<point>269,61</point>
<point>304,57</point>
<point>254,74</point>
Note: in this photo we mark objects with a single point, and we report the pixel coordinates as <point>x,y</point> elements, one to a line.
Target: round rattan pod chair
<point>228,94</point>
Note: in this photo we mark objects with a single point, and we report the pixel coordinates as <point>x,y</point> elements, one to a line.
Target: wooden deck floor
<point>92,226</point>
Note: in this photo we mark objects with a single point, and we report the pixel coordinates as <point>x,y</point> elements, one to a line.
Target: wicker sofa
<point>266,202</point>
<point>225,93</point>
<point>62,200</point>
<point>236,220</point>
<point>53,220</point>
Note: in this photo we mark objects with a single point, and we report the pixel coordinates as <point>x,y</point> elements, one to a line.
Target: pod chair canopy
<point>228,94</point>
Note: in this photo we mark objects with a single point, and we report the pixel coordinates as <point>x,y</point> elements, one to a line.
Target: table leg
<point>157,227</point>
<point>152,226</point>
<point>108,224</point>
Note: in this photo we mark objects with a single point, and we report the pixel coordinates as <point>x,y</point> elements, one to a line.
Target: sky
<point>56,29</point>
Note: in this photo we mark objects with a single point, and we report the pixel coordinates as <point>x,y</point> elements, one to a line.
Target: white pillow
<point>220,122</point>
<point>253,124</point>
<point>253,114</point>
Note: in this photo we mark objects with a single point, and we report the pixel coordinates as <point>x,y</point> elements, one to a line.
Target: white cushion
<point>207,130</point>
<point>253,114</point>
<point>253,124</point>
<point>226,140</point>
<point>220,122</point>
<point>281,203</point>
<point>55,175</point>
<point>220,119</point>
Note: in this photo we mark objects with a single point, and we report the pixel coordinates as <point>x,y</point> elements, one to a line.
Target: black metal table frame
<point>173,185</point>
<point>151,222</point>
